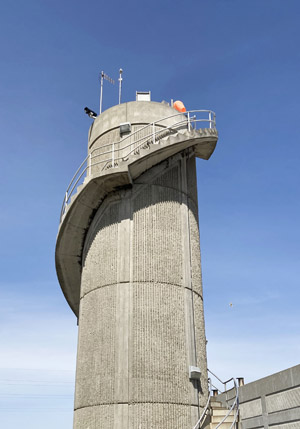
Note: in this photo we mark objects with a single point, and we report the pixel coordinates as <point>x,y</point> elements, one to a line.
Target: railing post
<point>66,201</point>
<point>209,116</point>
<point>113,156</point>
<point>90,164</point>
<point>153,131</point>
<point>130,147</point>
<point>189,122</point>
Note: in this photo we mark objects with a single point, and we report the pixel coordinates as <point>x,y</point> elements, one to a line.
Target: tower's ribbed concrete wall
<point>141,322</point>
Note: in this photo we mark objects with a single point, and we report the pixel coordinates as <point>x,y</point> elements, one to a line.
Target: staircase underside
<point>80,212</point>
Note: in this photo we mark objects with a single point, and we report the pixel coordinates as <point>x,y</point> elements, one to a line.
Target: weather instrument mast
<point>102,77</point>
<point>120,85</point>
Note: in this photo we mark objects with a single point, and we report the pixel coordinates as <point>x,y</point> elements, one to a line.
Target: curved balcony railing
<point>111,154</point>
<point>234,407</point>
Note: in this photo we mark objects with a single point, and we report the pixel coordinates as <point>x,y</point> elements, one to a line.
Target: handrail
<point>211,120</point>
<point>234,406</point>
<point>203,414</point>
<point>144,138</point>
<point>131,144</point>
<point>223,382</point>
<point>77,171</point>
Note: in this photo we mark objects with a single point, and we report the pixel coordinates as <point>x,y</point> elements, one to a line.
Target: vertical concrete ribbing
<point>139,375</point>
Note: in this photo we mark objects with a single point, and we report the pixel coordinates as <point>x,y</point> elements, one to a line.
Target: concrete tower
<point>128,262</point>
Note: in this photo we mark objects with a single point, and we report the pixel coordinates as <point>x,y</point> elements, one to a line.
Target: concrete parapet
<point>273,401</point>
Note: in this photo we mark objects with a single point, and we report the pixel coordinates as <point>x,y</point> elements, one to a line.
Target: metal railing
<point>111,154</point>
<point>233,407</point>
<point>205,411</point>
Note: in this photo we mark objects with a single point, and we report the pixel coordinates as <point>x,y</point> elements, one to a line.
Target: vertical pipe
<point>120,85</point>
<point>241,381</point>
<point>209,116</point>
<point>189,122</point>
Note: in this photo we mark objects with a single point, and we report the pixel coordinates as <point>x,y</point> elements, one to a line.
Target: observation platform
<point>124,142</point>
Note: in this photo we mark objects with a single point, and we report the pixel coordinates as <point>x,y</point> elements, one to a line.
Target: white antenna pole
<point>120,85</point>
<point>101,91</point>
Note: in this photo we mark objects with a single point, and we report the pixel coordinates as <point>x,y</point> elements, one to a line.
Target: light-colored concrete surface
<point>283,400</point>
<point>106,126</point>
<point>251,409</point>
<point>79,213</point>
<point>138,316</point>
<point>128,260</point>
<point>293,425</point>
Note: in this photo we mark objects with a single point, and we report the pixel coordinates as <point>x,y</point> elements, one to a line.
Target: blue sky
<point>239,58</point>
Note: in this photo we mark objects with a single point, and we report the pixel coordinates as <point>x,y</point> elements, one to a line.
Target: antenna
<point>120,85</point>
<point>102,77</point>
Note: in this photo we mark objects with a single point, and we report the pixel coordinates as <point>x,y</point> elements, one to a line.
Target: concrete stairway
<point>217,413</point>
<point>171,139</point>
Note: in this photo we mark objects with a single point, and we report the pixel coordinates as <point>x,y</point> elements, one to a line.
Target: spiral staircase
<point>114,165</point>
